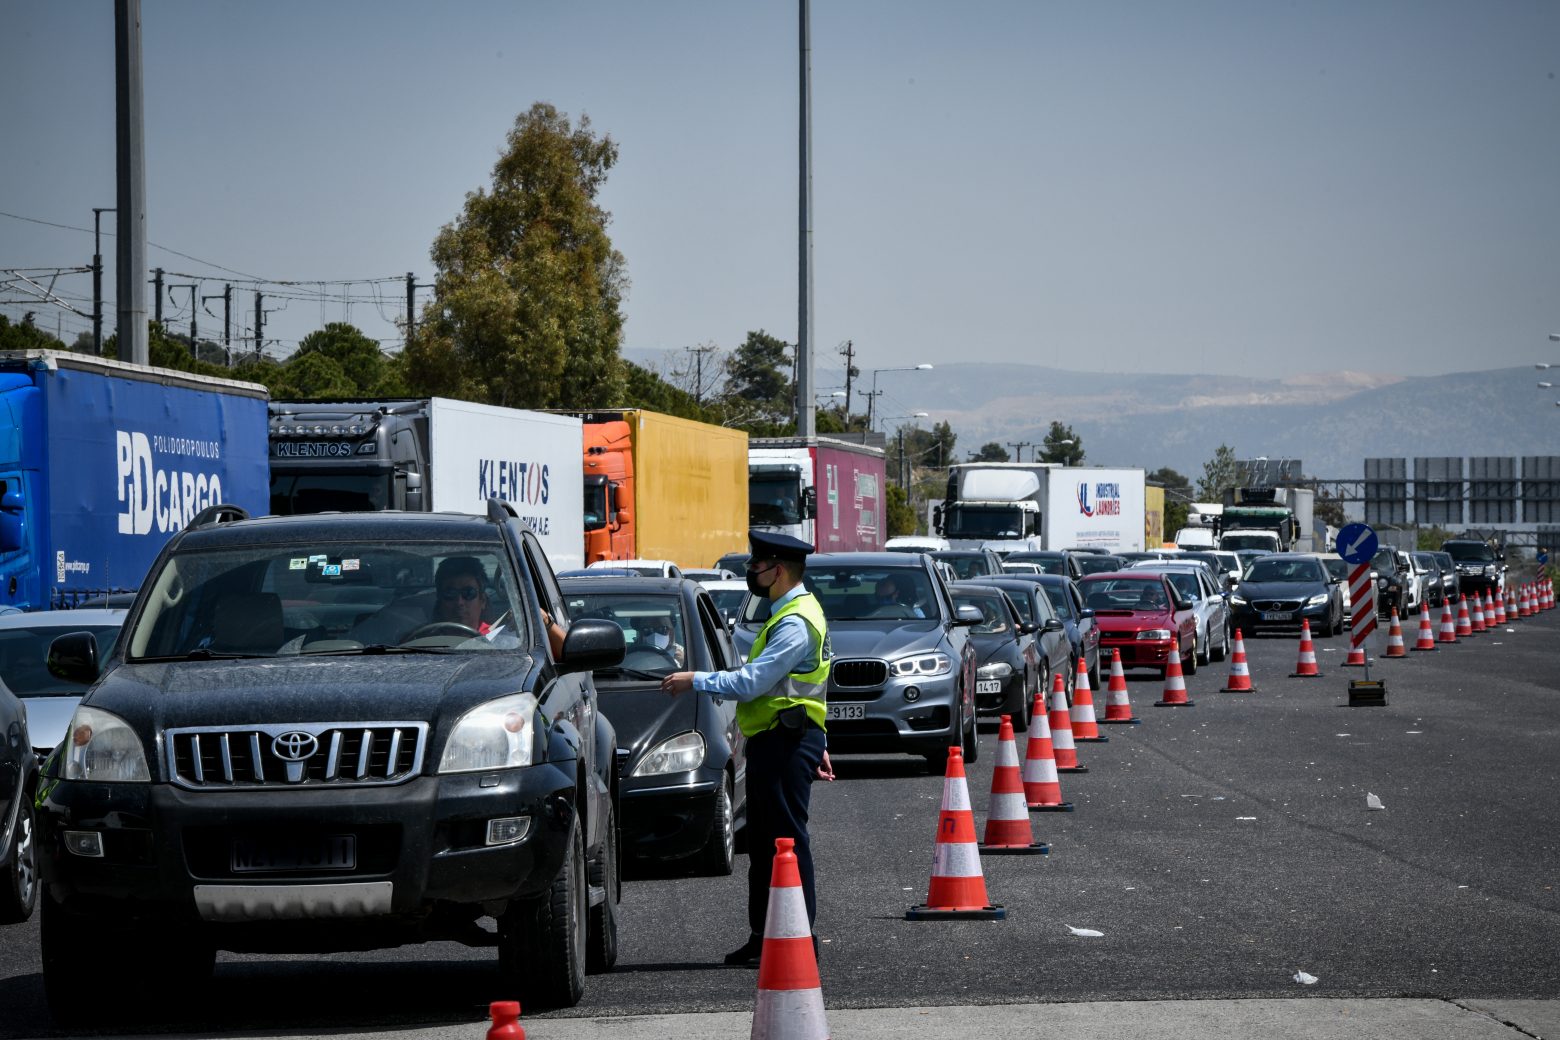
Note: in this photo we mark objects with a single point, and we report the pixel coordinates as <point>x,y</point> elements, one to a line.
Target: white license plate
<point>1278,615</point>
<point>988,685</point>
<point>847,711</point>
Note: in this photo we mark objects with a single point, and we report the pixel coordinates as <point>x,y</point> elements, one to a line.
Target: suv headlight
<point>676,754</point>
<point>1153,633</point>
<point>995,670</point>
<point>495,735</point>
<point>103,748</point>
<point>1317,600</point>
<point>921,664</point>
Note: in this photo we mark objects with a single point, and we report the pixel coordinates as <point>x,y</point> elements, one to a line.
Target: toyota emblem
<point>294,746</point>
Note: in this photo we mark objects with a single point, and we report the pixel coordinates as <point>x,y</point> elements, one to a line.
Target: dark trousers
<point>780,773</point>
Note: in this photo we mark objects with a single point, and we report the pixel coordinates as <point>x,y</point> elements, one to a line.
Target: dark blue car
<point>1083,632</point>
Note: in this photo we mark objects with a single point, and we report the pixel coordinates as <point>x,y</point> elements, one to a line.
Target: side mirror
<point>1184,604</point>
<point>809,502</point>
<point>590,644</point>
<point>1055,625</point>
<point>624,516</point>
<point>73,657</point>
<point>13,507</point>
<point>966,614</point>
<point>1086,612</point>
<point>414,493</point>
<point>1028,628</point>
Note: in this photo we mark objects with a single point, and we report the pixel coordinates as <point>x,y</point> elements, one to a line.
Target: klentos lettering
<point>522,483</point>
<point>151,498</point>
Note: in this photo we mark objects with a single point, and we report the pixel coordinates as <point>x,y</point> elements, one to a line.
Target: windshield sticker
<point>298,563</point>
<point>349,565</point>
<point>318,558</point>
<point>331,570</point>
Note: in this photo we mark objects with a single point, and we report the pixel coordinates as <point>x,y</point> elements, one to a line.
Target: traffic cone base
<point>1034,848</point>
<point>1356,658</point>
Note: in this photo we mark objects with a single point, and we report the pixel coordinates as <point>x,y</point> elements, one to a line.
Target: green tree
<point>357,358</point>
<point>991,451</point>
<point>1178,496</point>
<point>1062,445</point>
<point>901,517</point>
<point>1329,510</point>
<point>1218,475</point>
<point>527,286</point>
<point>26,335</point>
<point>758,382</point>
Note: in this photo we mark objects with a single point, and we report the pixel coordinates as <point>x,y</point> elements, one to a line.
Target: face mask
<point>753,584</point>
<point>659,640</point>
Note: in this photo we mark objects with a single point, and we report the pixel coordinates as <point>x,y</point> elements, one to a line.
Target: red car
<point>1137,614</point>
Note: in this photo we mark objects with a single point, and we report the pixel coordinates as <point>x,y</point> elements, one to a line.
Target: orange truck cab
<point>609,491</point>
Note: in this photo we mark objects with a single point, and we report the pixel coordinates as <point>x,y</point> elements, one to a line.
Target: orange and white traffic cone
<point>1305,665</point>
<point>1007,817</point>
<point>1395,646</point>
<point>1548,587</point>
<point>1042,789</point>
<point>1476,614</point>
<point>1448,625</point>
<point>1061,731</point>
<point>1240,673</point>
<point>1529,600</point>
<point>1426,633</point>
<point>1174,695</point>
<point>1085,725</point>
<point>958,888</point>
<point>1464,624</point>
<point>790,997</point>
<point>1356,658</point>
<point>1511,605</point>
<point>1495,608</point>
<point>1118,703</point>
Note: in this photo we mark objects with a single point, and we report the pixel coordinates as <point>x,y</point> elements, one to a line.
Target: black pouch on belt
<point>792,721</point>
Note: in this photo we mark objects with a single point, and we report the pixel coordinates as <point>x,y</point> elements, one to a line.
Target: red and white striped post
<point>1362,598</point>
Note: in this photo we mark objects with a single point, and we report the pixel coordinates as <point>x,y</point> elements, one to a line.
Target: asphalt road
<point>1220,848</point>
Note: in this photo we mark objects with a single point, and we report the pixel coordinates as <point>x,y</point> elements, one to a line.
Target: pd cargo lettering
<point>161,498</point>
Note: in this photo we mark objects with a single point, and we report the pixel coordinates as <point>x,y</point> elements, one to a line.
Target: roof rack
<point>499,511</point>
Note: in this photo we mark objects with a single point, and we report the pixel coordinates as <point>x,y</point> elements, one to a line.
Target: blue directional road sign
<point>1543,557</point>
<point>1357,543</point>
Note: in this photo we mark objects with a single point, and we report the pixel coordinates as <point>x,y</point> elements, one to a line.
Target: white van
<point>1194,538</point>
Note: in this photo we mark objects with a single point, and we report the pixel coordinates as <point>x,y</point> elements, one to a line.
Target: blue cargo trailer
<point>101,461</point>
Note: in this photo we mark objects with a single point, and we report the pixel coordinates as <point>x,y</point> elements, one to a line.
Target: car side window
<point>723,651</point>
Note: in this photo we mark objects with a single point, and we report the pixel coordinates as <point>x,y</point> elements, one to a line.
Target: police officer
<point>780,710</point>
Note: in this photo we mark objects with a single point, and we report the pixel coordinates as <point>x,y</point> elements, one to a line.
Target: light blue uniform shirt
<point>789,645</point>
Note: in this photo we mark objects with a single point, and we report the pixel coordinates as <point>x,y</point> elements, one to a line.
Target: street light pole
<point>873,399</point>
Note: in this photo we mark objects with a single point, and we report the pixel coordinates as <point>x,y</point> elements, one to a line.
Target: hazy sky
<point>1251,187</point>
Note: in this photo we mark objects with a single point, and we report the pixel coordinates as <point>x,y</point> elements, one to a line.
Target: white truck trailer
<point>1059,507</point>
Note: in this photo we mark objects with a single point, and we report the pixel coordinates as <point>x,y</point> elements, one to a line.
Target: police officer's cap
<point>767,545</point>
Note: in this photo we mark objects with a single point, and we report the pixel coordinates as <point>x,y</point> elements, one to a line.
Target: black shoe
<point>747,955</point>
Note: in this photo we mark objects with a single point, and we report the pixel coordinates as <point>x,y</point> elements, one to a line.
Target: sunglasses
<point>464,592</point>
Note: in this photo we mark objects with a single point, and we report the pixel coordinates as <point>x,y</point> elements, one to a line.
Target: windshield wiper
<point>200,653</point>
<point>385,648</point>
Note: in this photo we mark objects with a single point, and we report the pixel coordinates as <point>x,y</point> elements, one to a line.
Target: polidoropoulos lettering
<point>161,499</point>
<point>523,483</point>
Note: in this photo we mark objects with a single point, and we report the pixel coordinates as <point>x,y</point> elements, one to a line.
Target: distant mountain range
<point>1331,421</point>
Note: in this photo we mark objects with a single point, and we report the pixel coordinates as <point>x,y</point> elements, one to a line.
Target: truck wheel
<point>19,888</point>
<point>601,946</point>
<point>541,941</point>
<point>718,856</point>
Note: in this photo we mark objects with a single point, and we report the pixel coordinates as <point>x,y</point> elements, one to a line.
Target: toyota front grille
<point>308,754</point>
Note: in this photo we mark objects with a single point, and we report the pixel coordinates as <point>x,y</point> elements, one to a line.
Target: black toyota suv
<point>1479,568</point>
<point>299,744</point>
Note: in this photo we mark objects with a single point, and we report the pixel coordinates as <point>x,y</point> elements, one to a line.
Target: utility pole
<point>1018,448</point>
<point>226,296</point>
<point>903,481</point>
<point>259,324</point>
<point>129,184</point>
<point>698,371</point>
<point>97,278</point>
<point>412,285</point>
<point>157,280</point>
<point>849,350</point>
<point>194,288</point>
<point>806,406</point>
